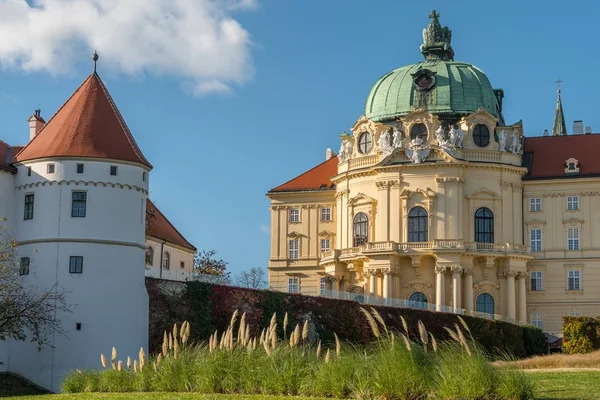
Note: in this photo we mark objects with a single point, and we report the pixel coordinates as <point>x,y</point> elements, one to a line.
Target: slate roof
<point>545,156</point>
<point>158,226</point>
<point>87,125</point>
<point>317,178</point>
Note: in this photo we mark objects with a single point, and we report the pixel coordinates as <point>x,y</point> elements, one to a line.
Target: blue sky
<point>303,75</point>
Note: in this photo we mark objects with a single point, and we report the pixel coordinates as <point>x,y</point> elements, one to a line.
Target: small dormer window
<point>572,166</point>
<point>113,170</point>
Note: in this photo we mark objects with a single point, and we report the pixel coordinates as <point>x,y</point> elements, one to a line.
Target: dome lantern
<point>436,40</point>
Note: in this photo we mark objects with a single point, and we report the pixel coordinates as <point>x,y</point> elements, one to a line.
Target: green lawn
<point>562,385</point>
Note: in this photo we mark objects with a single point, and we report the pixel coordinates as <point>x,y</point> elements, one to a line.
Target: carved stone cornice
<point>364,124</point>
<point>485,286</point>
<point>279,207</point>
<point>382,185</point>
<point>510,274</point>
<point>553,195</point>
<point>456,269</point>
<point>467,271</point>
<point>342,193</point>
<point>573,221</point>
<point>309,206</point>
<point>417,286</point>
<point>449,179</point>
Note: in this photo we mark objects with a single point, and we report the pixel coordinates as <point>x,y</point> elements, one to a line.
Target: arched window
<point>481,135</point>
<point>365,142</point>
<point>167,260</point>
<point>417,300</point>
<point>485,303</point>
<point>361,229</point>
<point>149,255</point>
<point>419,130</point>
<point>417,225</point>
<point>484,226</point>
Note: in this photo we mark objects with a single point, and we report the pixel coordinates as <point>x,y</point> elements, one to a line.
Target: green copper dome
<point>439,84</point>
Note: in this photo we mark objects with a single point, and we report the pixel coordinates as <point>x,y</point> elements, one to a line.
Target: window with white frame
<point>294,215</point>
<point>574,279</point>
<point>322,287</point>
<point>294,249</point>
<point>535,239</point>
<point>537,320</point>
<point>536,280</point>
<point>572,202</point>
<point>325,245</point>
<point>293,285</point>
<point>535,204</point>
<point>574,314</point>
<point>326,214</point>
<point>573,238</point>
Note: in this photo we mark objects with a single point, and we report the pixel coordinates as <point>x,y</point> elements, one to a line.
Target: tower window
<point>481,135</point>
<point>24,266</point>
<point>76,265</point>
<point>79,204</point>
<point>113,170</point>
<point>484,226</point>
<point>50,168</point>
<point>418,130</point>
<point>364,142</point>
<point>80,168</point>
<point>144,176</point>
<point>29,198</point>
<point>28,171</point>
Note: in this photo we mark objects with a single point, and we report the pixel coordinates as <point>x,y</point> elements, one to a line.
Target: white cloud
<point>195,40</point>
<point>265,229</point>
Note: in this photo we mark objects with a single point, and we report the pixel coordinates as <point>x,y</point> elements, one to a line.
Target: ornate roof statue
<point>436,40</point>
<point>560,127</point>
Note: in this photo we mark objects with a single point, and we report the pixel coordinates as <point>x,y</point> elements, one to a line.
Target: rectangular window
<point>325,245</point>
<point>572,202</point>
<point>76,265</point>
<point>78,205</point>
<point>182,264</point>
<point>574,278</point>
<point>50,168</point>
<point>294,215</point>
<point>325,214</point>
<point>573,238</point>
<point>28,206</point>
<point>322,287</point>
<point>144,176</point>
<point>293,285</point>
<point>536,280</point>
<point>80,168</point>
<point>294,249</point>
<point>28,171</point>
<point>537,320</point>
<point>574,314</point>
<point>113,170</point>
<point>535,239</point>
<point>535,204</point>
<point>24,266</point>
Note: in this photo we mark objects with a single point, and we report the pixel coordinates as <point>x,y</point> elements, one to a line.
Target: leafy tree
<point>26,311</point>
<point>208,268</point>
<point>254,278</point>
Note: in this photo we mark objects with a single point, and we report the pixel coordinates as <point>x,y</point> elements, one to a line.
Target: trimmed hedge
<point>581,334</point>
<point>208,308</point>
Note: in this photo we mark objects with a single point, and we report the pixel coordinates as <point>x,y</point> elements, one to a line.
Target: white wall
<point>109,298</point>
<point>178,255</point>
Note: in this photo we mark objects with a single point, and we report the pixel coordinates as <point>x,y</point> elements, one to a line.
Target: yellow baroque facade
<point>434,201</point>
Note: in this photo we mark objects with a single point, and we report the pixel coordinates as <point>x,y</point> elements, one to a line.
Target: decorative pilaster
<point>468,290</point>
<point>456,285</point>
<point>511,311</point>
<point>522,278</point>
<point>439,286</point>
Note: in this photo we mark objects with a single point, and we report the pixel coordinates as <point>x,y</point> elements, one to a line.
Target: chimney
<point>36,123</point>
<point>578,127</point>
<point>588,130</point>
<point>328,154</point>
<point>545,132</point>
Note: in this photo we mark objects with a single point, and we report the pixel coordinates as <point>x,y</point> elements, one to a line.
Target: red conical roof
<point>87,125</point>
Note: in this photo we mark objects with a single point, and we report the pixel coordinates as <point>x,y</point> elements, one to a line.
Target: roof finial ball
<point>95,58</point>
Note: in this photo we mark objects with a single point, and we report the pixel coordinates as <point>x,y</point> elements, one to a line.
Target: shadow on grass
<point>12,385</point>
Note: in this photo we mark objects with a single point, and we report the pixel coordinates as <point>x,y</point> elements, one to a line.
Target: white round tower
<point>81,190</point>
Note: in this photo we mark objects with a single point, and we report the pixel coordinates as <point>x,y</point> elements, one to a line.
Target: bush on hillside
<point>581,334</point>
<point>207,307</point>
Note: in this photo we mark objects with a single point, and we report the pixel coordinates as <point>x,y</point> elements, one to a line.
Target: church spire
<point>560,127</point>
<point>436,40</point>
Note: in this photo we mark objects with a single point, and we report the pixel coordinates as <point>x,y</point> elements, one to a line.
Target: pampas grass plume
<point>338,346</point>
<point>128,362</point>
<point>371,322</point>
<point>103,360</point>
<point>285,324</point>
<point>327,357</point>
<point>319,349</point>
<point>120,365</point>
<point>305,330</point>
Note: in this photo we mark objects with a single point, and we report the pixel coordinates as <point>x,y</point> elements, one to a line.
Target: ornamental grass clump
<point>396,366</point>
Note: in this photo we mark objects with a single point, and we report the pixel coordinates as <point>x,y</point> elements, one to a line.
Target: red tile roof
<point>6,156</point>
<point>87,125</point>
<point>547,155</point>
<point>317,178</point>
<point>158,226</point>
